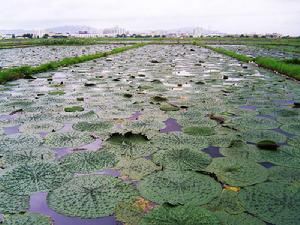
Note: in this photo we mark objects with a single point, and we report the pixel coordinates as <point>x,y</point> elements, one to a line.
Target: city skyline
<point>232,17</point>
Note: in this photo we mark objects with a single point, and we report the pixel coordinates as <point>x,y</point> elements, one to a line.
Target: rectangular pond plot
<point>42,54</point>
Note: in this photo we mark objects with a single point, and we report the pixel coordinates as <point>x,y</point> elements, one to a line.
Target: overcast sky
<point>230,16</point>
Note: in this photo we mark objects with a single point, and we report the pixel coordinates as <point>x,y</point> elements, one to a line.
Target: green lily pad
<point>256,136</point>
<point>228,201</point>
<point>10,203</point>
<point>37,127</point>
<point>27,219</point>
<point>15,158</point>
<point>74,109</point>
<point>168,107</point>
<point>136,168</point>
<point>26,179</point>
<point>19,142</point>
<point>182,158</point>
<point>56,92</point>
<point>238,172</point>
<point>285,175</point>
<point>295,141</point>
<point>179,187</point>
<point>68,139</point>
<point>90,196</point>
<point>267,145</point>
<point>183,215</point>
<point>201,131</point>
<point>275,203</point>
<point>240,219</point>
<point>292,128</point>
<point>93,126</point>
<point>129,213</point>
<point>85,162</point>
<point>254,123</point>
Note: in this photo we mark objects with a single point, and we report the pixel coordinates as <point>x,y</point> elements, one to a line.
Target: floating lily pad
<point>74,109</point>
<point>285,175</point>
<point>19,142</point>
<point>183,215</point>
<point>10,203</point>
<point>257,136</point>
<point>257,123</point>
<point>292,128</point>
<point>25,179</point>
<point>240,219</point>
<point>136,168</point>
<point>295,141</point>
<point>85,162</point>
<point>178,187</point>
<point>199,131</point>
<point>15,158</point>
<point>182,158</point>
<point>222,140</point>
<point>238,172</point>
<point>56,93</point>
<point>90,196</point>
<point>272,202</point>
<point>37,127</point>
<point>240,149</point>
<point>168,107</point>
<point>68,139</point>
<point>228,201</point>
<point>93,126</point>
<point>27,219</point>
<point>129,213</point>
<point>158,98</point>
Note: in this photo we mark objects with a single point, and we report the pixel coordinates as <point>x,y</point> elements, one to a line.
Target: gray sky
<point>230,16</point>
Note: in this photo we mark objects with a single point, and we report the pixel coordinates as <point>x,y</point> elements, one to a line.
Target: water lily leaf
<point>183,215</point>
<point>136,168</point>
<point>295,141</point>
<point>10,203</point>
<point>256,136</point>
<point>166,141</point>
<point>182,158</point>
<point>90,196</point>
<point>37,127</point>
<point>129,213</point>
<point>93,126</point>
<point>168,107</point>
<point>238,172</point>
<point>19,142</point>
<point>240,219</point>
<point>68,139</point>
<point>178,187</point>
<point>199,131</point>
<point>275,203</point>
<point>285,175</point>
<point>27,219</point>
<point>74,109</point>
<point>254,123</point>
<point>292,128</point>
<point>85,162</point>
<point>15,158</point>
<point>222,140</point>
<point>25,179</point>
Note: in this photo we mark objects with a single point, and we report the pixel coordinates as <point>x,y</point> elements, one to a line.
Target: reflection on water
<point>38,203</point>
<point>213,151</point>
<point>171,126</point>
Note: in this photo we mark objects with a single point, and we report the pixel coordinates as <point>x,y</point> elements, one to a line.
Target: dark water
<point>248,107</point>
<point>213,151</point>
<point>135,116</point>
<point>267,164</point>
<point>171,126</point>
<point>38,204</point>
<point>280,131</point>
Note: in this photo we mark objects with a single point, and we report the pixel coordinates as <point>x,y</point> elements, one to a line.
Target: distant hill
<point>73,29</point>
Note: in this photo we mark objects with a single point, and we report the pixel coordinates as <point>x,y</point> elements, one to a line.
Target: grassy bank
<point>289,67</point>
<point>232,54</point>
<point>27,71</point>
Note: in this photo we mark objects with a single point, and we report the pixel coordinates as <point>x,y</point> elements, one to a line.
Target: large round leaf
<point>27,219</point>
<point>19,142</point>
<point>90,196</point>
<point>178,187</point>
<point>10,203</point>
<point>183,215</point>
<point>25,179</point>
<point>239,219</point>
<point>84,162</point>
<point>275,203</point>
<point>238,172</point>
<point>69,139</point>
<point>182,158</point>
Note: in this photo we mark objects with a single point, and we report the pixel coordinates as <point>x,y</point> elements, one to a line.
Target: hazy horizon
<point>232,16</point>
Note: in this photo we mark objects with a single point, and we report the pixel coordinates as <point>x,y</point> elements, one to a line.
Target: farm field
<point>156,135</point>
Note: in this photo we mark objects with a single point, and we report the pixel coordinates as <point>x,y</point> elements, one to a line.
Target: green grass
<point>289,69</point>
<point>232,54</point>
<point>27,71</point>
